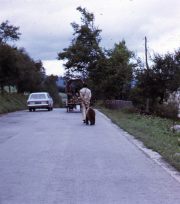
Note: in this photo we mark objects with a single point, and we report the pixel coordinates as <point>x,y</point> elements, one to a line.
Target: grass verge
<point>153,131</point>
<point>12,102</point>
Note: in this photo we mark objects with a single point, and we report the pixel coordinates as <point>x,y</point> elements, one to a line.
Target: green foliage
<point>8,72</point>
<point>161,79</point>
<point>16,66</point>
<point>8,32</point>
<point>118,72</point>
<point>97,78</point>
<point>84,50</point>
<point>111,77</point>
<point>12,102</point>
<point>166,74</point>
<point>18,69</point>
<point>137,97</point>
<point>50,86</point>
<point>108,73</point>
<point>168,110</point>
<point>31,73</point>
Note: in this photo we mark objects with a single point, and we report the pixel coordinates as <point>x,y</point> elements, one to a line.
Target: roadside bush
<point>130,110</point>
<point>169,110</point>
<point>98,103</point>
<point>136,96</point>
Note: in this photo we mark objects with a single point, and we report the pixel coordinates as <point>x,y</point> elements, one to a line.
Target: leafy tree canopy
<point>161,79</point>
<point>118,72</point>
<point>84,49</point>
<point>8,32</point>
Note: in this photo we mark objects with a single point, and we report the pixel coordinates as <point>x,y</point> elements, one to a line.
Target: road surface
<point>52,158</point>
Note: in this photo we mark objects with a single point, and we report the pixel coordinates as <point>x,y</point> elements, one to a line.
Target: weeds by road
<point>12,102</point>
<point>153,131</point>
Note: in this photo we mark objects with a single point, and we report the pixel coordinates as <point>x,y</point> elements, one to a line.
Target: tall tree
<point>31,73</point>
<point>17,68</point>
<point>8,71</point>
<point>118,73</point>
<point>84,50</point>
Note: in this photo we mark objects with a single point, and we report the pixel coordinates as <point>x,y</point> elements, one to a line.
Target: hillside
<point>12,102</point>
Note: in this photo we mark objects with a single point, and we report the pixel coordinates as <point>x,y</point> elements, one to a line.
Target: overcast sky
<point>46,30</point>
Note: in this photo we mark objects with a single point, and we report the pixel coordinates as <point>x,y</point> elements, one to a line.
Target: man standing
<point>85,95</point>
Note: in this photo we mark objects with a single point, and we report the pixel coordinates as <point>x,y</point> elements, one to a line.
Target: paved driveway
<point>52,158</point>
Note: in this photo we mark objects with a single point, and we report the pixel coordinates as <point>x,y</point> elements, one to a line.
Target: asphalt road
<point>52,158</point>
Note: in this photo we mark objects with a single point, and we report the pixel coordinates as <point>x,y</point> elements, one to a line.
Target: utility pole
<point>147,67</point>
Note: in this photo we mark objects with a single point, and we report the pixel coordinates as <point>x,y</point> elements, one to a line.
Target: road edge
<point>155,156</point>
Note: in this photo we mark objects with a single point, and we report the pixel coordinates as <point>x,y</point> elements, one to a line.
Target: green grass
<point>153,131</point>
<point>12,102</point>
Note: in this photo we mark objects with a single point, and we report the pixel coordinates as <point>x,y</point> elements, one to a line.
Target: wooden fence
<point>118,104</point>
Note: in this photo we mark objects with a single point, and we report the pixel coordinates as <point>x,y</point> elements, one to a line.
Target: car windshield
<point>38,96</point>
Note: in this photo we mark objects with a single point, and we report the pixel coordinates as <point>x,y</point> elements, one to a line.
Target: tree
<point>97,78</point>
<point>109,73</point>
<point>8,32</point>
<point>175,83</point>
<point>118,72</point>
<point>30,73</point>
<point>8,72</point>
<point>166,74</point>
<point>84,50</point>
<point>50,86</point>
<point>17,68</point>
<point>163,78</point>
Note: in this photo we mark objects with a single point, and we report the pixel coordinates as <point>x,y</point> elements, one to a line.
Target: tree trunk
<point>147,105</point>
<point>2,88</point>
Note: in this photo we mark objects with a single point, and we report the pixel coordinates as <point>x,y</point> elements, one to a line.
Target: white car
<point>40,100</point>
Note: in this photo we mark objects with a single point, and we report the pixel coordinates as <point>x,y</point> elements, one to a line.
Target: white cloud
<point>54,67</point>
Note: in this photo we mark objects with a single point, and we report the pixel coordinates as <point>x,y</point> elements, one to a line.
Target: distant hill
<point>61,82</point>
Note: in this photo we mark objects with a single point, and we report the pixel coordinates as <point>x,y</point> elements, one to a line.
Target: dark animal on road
<point>90,116</point>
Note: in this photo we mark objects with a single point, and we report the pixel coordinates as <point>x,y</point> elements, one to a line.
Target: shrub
<point>169,110</point>
<point>130,110</point>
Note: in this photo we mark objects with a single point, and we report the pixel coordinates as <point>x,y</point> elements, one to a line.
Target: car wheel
<point>30,109</point>
<point>34,109</point>
<point>49,109</point>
